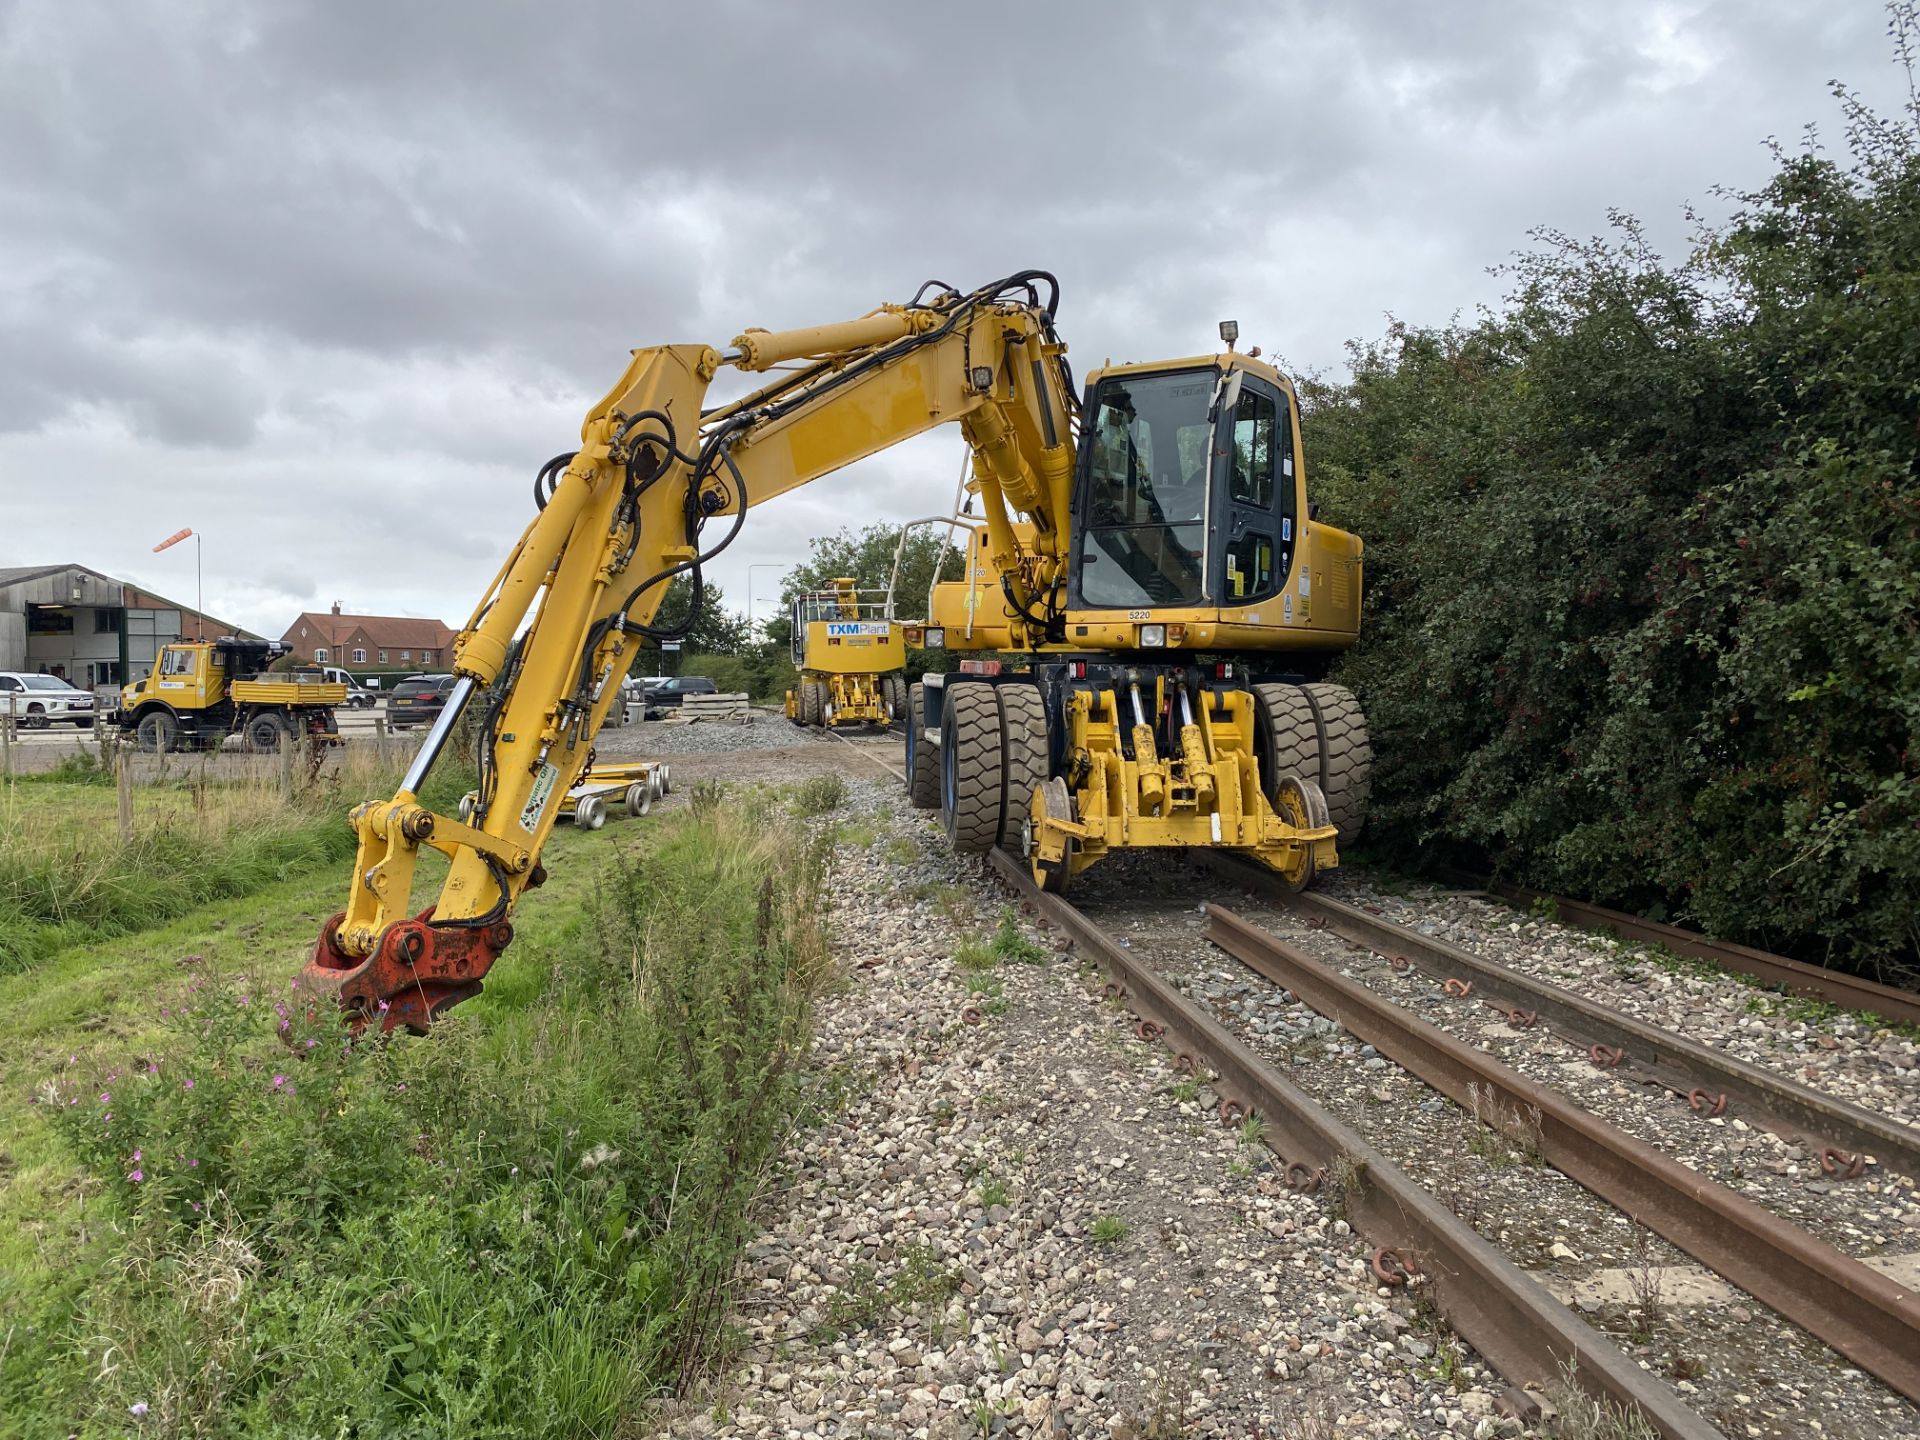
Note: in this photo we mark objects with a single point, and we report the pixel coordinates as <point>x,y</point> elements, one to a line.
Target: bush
<point>524,1223</point>
<point>1644,560</point>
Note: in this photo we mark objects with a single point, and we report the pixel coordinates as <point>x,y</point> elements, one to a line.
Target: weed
<point>1253,1131</point>
<point>1545,907</point>
<point>527,1222</point>
<point>919,1281</point>
<point>993,1191</point>
<point>902,851</point>
<point>1011,944</point>
<point>1346,1182</point>
<point>1586,1417</point>
<point>1449,1362</point>
<point>820,794</point>
<point>707,797</point>
<point>1186,1091</point>
<point>1108,1230</point>
<point>1646,1282</point>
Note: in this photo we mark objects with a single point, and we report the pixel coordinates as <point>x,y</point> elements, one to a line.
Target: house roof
<point>385,632</point>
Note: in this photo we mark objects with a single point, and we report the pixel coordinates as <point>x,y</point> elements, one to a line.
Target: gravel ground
<point>1032,1226</point>
<point>1734,1362</point>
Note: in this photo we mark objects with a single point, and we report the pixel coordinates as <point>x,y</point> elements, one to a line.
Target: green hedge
<point>1643,565</point>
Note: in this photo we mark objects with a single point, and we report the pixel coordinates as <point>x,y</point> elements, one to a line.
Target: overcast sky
<point>328,281</point>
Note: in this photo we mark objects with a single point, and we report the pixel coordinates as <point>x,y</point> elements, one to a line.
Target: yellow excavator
<point>851,656</point>
<point>1151,598</point>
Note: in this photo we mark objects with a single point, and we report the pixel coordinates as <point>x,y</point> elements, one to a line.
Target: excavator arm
<point>656,489</point>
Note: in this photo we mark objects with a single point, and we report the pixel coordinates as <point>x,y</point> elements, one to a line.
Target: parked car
<point>43,700</point>
<point>358,696</point>
<point>664,695</point>
<point>418,701</point>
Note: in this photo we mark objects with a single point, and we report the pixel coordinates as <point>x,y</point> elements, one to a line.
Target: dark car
<point>668,693</point>
<point>418,701</point>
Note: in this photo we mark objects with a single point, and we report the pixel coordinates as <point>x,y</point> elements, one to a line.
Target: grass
<point>1108,1230</point>
<point>68,877</point>
<point>525,1223</point>
<point>1008,943</point>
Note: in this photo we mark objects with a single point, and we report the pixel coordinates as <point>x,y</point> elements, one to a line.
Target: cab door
<point>1253,523</point>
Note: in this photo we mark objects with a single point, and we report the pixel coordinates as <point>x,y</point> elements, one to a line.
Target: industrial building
<point>93,630</point>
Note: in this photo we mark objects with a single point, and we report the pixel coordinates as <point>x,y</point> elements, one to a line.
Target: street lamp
<point>199,605</point>
<point>761,565</point>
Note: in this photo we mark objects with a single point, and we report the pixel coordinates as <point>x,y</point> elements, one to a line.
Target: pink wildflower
<point>278,1081</point>
<point>136,1176</point>
<point>187,1084</point>
<point>139,1407</point>
<point>106,1097</point>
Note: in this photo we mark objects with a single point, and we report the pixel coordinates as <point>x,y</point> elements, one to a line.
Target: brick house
<point>371,644</point>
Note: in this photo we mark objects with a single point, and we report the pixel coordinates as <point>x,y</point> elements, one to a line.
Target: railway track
<point>1526,1333</point>
<point>1849,992</point>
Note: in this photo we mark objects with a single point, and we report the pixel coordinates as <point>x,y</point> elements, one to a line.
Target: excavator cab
<point>1189,493</point>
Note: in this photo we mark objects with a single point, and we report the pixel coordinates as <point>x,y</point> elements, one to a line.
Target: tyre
<point>972,788</point>
<point>1346,757</point>
<point>157,733</point>
<point>923,762</point>
<point>893,690</point>
<point>265,734</point>
<point>1286,736</point>
<point>36,718</point>
<point>1024,758</point>
<point>84,722</point>
<point>809,702</point>
<point>590,813</point>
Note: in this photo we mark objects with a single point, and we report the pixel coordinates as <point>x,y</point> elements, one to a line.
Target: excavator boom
<point>539,662</point>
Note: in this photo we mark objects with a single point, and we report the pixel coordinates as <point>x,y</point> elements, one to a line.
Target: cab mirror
<point>1226,394</point>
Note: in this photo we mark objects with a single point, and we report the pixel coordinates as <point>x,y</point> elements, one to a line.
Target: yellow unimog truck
<point>201,691</point>
<point>851,657</point>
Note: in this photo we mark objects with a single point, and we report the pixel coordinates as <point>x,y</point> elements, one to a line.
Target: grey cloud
<point>338,275</point>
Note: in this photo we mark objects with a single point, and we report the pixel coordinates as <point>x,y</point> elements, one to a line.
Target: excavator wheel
<point>923,761</point>
<point>1286,736</point>
<point>809,702</point>
<point>972,780</point>
<point>893,690</point>
<point>1346,756</point>
<point>1023,739</point>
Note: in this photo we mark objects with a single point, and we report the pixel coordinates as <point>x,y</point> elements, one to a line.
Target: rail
<point>1521,1330</point>
<point>1866,1316</point>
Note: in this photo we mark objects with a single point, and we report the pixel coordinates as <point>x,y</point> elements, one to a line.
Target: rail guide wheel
<point>1301,804</point>
<point>1049,798</point>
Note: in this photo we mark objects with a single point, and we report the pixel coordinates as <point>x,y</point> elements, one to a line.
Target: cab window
<point>1145,491</point>
<point>1253,449</point>
<point>176,662</point>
